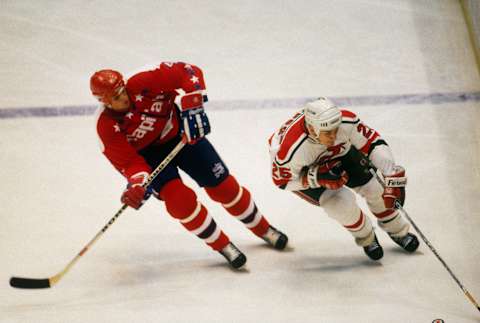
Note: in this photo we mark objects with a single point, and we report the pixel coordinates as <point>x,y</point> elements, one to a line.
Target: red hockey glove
<point>135,194</point>
<point>195,124</point>
<point>329,175</point>
<point>394,187</point>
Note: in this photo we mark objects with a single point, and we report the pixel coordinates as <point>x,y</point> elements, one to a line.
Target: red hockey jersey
<point>152,118</point>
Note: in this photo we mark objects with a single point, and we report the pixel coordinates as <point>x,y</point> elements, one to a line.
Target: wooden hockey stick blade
<point>29,283</point>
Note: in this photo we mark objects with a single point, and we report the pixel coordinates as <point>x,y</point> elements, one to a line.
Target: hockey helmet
<point>322,115</point>
<point>104,84</point>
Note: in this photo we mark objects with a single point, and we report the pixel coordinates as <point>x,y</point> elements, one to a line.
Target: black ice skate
<point>408,242</point>
<point>275,238</point>
<point>374,250</point>
<point>234,256</point>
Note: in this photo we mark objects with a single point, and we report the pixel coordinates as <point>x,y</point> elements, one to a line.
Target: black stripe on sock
<point>208,231</point>
<point>390,219</point>
<point>251,216</point>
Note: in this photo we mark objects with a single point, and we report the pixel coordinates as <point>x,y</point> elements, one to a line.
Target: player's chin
<point>122,109</point>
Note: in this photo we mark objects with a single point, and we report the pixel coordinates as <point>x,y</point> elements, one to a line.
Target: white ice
<point>57,190</point>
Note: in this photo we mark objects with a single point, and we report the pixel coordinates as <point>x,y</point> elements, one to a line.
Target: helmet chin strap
<point>315,140</point>
<point>313,137</point>
<point>309,127</point>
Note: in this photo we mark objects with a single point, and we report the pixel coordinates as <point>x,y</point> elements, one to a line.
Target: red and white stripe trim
<point>256,220</point>
<point>214,236</point>
<point>193,215</point>
<point>386,215</point>
<point>247,212</point>
<point>235,200</point>
<point>357,226</point>
<point>203,226</point>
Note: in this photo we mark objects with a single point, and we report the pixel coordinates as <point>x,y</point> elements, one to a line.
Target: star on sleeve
<point>116,127</point>
<point>194,79</point>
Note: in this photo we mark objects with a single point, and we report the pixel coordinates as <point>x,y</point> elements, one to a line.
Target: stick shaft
<point>430,246</point>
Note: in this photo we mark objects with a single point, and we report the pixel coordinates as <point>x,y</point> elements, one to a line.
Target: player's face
<point>120,102</point>
<point>326,138</point>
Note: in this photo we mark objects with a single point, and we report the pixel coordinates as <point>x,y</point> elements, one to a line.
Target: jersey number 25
<point>280,172</point>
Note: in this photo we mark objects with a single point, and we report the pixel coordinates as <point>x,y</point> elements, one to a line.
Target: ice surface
<point>58,191</point>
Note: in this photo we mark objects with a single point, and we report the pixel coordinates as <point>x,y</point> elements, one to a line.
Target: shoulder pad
<point>349,117</point>
<point>291,140</point>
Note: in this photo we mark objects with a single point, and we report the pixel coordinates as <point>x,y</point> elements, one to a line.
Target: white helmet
<point>322,115</point>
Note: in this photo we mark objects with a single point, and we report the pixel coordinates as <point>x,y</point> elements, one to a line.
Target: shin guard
<point>181,203</point>
<point>239,203</point>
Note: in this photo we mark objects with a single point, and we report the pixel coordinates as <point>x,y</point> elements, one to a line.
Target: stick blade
<point>29,283</point>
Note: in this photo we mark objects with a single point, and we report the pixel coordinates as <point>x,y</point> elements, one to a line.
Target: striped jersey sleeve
<point>362,137</point>
<point>286,152</point>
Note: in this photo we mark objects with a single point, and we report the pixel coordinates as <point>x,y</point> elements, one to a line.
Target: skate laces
<point>271,236</point>
<point>404,241</point>
<point>230,251</point>
<point>374,245</point>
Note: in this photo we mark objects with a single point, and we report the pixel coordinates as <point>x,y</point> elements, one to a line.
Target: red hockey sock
<point>181,203</point>
<point>238,202</point>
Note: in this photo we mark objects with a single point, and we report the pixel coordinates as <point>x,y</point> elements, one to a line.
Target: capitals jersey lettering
<point>151,120</point>
<point>291,149</point>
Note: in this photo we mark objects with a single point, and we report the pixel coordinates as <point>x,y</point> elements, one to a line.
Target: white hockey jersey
<point>291,149</point>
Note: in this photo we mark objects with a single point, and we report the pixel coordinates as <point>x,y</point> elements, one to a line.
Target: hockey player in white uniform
<point>324,155</point>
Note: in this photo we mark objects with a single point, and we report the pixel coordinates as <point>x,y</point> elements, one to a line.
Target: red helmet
<point>106,83</point>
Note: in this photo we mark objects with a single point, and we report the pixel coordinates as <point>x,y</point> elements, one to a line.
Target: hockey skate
<point>275,238</point>
<point>408,242</point>
<point>374,250</point>
<point>234,256</point>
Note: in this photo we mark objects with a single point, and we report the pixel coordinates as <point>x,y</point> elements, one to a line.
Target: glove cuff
<point>191,100</point>
<point>397,179</point>
<point>139,178</point>
<point>311,177</point>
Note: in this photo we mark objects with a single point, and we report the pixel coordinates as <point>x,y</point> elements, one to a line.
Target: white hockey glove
<point>394,187</point>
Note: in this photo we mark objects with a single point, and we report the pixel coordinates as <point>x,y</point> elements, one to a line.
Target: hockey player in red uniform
<point>139,123</point>
<point>323,154</point>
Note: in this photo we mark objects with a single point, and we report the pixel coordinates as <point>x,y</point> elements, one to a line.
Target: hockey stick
<point>34,283</point>
<point>400,208</point>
